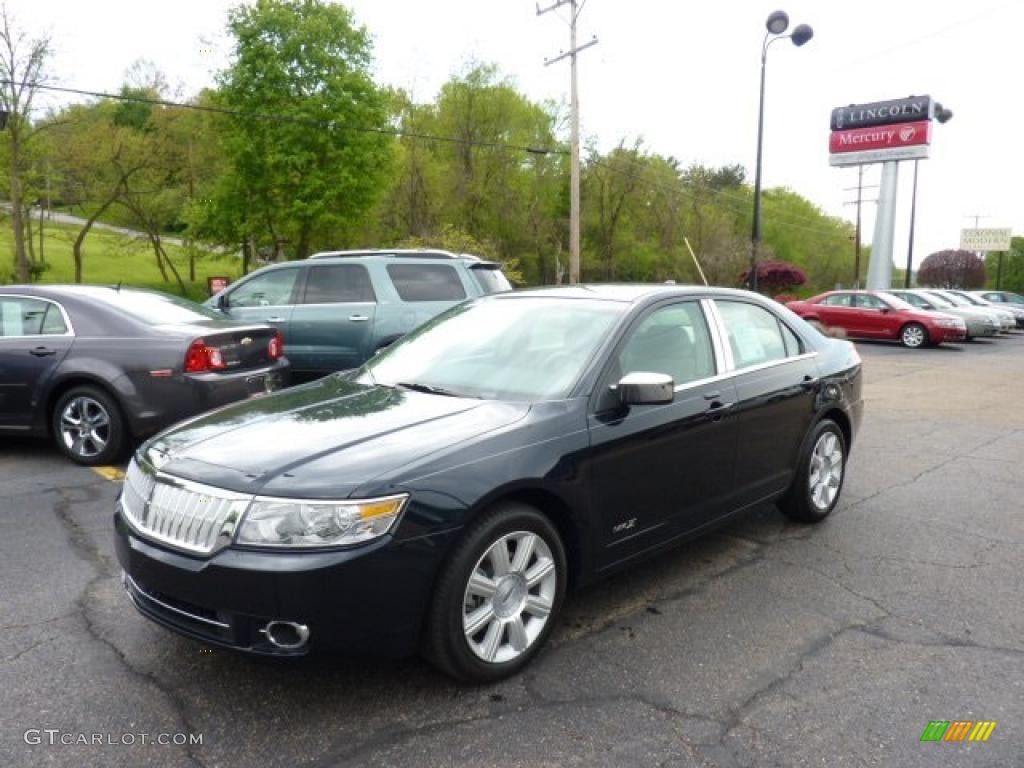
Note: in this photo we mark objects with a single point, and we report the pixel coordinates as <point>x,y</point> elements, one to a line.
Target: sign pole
<point>999,270</point>
<point>880,262</point>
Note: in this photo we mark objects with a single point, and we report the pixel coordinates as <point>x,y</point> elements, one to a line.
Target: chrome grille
<point>180,513</point>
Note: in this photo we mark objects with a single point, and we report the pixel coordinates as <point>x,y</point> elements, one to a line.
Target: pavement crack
<point>104,569</point>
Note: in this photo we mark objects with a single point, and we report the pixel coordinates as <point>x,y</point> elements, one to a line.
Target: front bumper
<point>940,334</point>
<point>370,599</point>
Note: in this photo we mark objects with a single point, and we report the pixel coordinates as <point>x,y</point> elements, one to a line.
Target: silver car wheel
<point>826,471</point>
<point>85,427</point>
<point>509,597</point>
<point>913,336</point>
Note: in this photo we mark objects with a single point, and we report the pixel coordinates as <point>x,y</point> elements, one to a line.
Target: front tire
<point>88,426</point>
<point>819,478</point>
<point>914,336</point>
<point>498,596</point>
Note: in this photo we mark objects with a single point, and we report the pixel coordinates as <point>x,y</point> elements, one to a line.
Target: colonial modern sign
<point>985,239</point>
<point>907,110</point>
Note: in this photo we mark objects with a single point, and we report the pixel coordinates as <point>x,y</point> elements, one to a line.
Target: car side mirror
<point>886,310</point>
<point>644,388</point>
<point>222,302</point>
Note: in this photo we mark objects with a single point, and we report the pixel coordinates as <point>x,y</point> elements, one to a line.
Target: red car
<point>874,315</point>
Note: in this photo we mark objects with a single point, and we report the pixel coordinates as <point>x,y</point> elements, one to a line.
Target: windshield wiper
<point>427,388</point>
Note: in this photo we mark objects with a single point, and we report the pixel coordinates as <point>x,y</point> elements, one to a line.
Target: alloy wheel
<point>913,336</point>
<point>826,471</point>
<point>509,597</point>
<point>85,427</point>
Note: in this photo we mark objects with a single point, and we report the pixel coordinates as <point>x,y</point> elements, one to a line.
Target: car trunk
<point>242,348</point>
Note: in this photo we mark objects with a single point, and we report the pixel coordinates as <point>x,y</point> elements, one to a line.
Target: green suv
<point>337,308</point>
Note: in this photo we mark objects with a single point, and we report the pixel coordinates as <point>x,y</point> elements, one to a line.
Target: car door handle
<point>713,395</point>
<point>275,319</point>
<point>358,318</point>
<point>42,351</point>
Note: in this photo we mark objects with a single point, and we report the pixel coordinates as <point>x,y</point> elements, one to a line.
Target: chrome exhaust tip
<point>286,635</point>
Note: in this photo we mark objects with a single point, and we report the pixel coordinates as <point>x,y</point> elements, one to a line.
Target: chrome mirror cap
<point>645,388</point>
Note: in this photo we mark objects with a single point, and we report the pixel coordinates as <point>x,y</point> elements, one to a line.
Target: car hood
<point>323,439</point>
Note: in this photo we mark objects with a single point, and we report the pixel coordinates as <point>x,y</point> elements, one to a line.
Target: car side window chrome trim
<point>719,334</point>
<point>64,313</point>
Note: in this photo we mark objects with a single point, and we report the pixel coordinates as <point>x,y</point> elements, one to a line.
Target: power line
<point>320,123</point>
<point>712,193</point>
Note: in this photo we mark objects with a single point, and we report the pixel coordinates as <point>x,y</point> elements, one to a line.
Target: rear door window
<point>426,282</point>
<point>21,316</point>
<point>338,284</point>
<point>838,300</point>
<point>755,335</point>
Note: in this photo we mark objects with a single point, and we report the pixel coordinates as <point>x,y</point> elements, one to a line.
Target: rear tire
<point>88,426</point>
<point>914,336</point>
<point>818,483</point>
<point>492,612</point>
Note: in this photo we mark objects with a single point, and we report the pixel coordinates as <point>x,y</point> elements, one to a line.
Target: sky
<point>681,75</point>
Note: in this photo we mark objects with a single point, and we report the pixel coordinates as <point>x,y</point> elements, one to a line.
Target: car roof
<point>401,253</point>
<point>623,292</point>
<point>71,289</point>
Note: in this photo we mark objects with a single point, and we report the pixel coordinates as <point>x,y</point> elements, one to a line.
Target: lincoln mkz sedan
<point>446,496</point>
<point>880,315</point>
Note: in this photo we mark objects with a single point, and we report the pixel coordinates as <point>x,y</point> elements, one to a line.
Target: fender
<point>86,371</point>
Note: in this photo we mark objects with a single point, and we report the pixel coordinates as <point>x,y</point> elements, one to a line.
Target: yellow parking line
<point>113,474</point>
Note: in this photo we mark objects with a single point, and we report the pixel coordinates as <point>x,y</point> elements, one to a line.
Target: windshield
<point>959,301</point>
<point>499,349</point>
<point>153,308</point>
<point>938,301</point>
<point>972,299</point>
<point>896,302</point>
<point>1013,298</point>
<point>910,298</point>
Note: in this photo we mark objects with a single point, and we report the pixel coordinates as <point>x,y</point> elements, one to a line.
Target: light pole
<point>776,24</point>
<point>943,115</point>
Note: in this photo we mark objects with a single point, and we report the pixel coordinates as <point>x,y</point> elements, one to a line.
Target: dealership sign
<point>985,239</point>
<point>899,129</point>
<point>909,110</point>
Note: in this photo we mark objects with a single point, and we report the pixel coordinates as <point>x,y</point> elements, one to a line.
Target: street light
<point>776,24</point>
<point>942,115</point>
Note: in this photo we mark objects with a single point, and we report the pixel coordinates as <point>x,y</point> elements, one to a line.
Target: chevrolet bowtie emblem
<point>246,340</point>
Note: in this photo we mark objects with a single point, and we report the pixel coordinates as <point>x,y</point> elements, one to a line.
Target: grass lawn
<point>109,257</point>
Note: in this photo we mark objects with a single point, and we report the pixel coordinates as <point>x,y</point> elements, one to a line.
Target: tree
<point>952,269</point>
<point>1013,267</point>
<point>312,162</point>
<point>22,70</point>
<point>776,276</point>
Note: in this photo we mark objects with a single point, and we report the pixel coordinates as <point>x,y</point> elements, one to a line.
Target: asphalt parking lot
<point>768,643</point>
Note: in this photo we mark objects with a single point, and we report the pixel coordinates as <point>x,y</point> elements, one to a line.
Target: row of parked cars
<point>916,318</point>
<point>97,367</point>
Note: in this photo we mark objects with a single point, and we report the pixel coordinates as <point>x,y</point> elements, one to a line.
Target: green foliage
<point>302,177</point>
<point>293,176</point>
<point>1013,267</point>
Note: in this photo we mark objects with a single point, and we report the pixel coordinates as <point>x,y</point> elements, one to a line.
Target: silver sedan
<point>978,324</point>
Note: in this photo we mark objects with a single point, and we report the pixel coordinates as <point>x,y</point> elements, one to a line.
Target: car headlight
<point>950,322</point>
<point>275,522</point>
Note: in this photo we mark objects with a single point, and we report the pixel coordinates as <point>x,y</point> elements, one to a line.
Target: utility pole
<point>857,236</point>
<point>574,131</point>
<point>981,254</point>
